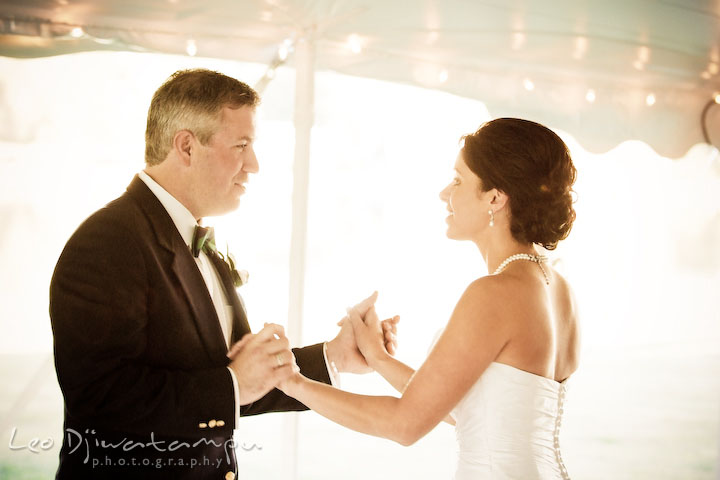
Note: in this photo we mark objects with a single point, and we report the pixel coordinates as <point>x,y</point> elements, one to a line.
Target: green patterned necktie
<point>203,240</point>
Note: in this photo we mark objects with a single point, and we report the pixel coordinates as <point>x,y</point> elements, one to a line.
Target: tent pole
<point>304,118</point>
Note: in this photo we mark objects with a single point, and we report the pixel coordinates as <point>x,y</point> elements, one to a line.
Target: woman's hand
<point>292,383</point>
<point>369,334</point>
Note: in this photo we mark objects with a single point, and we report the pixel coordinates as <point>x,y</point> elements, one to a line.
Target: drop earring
<point>492,218</point>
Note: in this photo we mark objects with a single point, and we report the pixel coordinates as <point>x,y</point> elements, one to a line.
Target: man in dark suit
<point>153,350</point>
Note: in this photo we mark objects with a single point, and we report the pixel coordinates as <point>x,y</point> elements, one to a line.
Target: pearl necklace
<point>525,256</point>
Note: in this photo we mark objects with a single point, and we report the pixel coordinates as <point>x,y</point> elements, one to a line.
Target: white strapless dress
<point>508,427</point>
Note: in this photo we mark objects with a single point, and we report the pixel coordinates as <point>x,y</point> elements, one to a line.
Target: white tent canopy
<point>605,72</point>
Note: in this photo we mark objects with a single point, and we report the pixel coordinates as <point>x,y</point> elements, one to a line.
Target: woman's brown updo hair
<point>532,166</point>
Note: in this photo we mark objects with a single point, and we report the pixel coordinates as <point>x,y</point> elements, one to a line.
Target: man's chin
<point>221,210</point>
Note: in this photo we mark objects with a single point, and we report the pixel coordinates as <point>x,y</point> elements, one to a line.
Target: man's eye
<point>456,181</point>
<point>242,146</point>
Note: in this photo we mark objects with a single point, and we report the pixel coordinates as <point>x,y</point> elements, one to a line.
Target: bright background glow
<point>642,257</point>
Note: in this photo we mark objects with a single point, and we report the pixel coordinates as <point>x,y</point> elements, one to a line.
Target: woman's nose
<point>444,194</point>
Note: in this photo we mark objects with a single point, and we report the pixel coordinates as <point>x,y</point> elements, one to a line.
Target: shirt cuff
<point>236,391</point>
<point>331,368</point>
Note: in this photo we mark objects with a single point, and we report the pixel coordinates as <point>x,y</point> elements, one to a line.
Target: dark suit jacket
<point>139,353</point>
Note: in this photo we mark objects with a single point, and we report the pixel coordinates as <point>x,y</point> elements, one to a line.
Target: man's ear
<point>183,144</point>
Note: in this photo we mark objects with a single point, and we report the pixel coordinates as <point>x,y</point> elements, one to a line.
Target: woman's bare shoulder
<point>564,296</point>
<point>506,293</point>
<point>489,301</point>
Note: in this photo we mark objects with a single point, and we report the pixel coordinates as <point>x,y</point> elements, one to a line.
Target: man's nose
<point>251,164</point>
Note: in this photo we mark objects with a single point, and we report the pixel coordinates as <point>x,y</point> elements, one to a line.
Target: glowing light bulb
<point>443,76</point>
<point>518,40</point>
<point>77,32</point>
<point>590,95</point>
<point>354,43</point>
<point>528,84</point>
<point>717,98</point>
<point>581,44</point>
<point>650,100</point>
<point>191,47</point>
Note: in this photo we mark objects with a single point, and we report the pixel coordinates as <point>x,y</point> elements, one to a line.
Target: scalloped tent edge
<point>604,72</point>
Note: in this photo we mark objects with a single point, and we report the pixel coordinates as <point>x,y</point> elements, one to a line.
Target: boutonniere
<point>239,277</point>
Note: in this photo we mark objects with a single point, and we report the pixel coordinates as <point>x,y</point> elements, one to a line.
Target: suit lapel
<point>206,319</point>
<point>240,324</point>
<point>185,269</point>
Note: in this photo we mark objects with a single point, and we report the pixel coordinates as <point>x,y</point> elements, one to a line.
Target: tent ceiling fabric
<point>588,68</point>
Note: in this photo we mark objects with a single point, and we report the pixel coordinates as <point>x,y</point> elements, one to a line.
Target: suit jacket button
<point>212,423</point>
<point>220,423</point>
<point>229,476</point>
<point>202,425</point>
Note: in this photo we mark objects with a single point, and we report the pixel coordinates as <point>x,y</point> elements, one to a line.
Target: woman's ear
<point>498,199</point>
<point>183,144</point>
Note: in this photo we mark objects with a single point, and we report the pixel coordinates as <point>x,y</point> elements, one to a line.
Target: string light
<point>518,40</point>
<point>590,95</point>
<point>191,47</point>
<point>443,76</point>
<point>528,84</point>
<point>77,32</point>
<point>713,68</point>
<point>643,58</point>
<point>650,99</point>
<point>705,75</point>
<point>580,48</point>
<point>283,52</point>
<point>717,98</point>
<point>354,43</point>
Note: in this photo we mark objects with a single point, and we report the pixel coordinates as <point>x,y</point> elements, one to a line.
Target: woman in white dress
<point>499,368</point>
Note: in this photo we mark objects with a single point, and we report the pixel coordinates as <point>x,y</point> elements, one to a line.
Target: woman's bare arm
<point>474,336</point>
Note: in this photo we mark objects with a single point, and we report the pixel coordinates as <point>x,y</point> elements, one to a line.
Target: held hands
<point>370,333</point>
<point>343,349</point>
<point>261,361</point>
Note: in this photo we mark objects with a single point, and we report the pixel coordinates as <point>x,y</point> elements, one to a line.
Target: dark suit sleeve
<point>99,302</point>
<point>311,361</point>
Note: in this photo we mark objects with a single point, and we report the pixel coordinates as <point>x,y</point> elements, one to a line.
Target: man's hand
<point>343,350</point>
<point>389,326</point>
<point>261,361</point>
